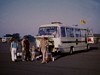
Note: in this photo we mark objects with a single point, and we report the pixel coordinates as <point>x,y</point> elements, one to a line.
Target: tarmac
<point>79,63</point>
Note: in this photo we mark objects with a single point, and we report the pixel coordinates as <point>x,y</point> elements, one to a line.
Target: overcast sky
<point>25,16</point>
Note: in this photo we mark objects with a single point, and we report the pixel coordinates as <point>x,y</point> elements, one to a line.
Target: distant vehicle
<point>65,38</point>
<point>6,39</point>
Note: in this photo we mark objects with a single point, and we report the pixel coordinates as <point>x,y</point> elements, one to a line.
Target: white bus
<point>65,38</point>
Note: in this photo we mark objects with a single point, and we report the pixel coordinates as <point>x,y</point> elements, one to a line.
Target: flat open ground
<point>80,63</point>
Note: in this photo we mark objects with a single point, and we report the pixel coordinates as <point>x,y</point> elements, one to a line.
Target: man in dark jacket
<point>27,46</point>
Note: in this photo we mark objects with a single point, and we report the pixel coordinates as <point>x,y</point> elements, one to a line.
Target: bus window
<point>83,33</point>
<point>47,30</point>
<point>69,32</point>
<point>77,32</point>
<point>63,34</point>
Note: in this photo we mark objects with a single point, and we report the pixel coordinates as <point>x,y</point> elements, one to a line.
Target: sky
<point>25,16</point>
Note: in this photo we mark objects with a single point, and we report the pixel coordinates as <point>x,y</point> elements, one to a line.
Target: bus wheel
<point>71,50</point>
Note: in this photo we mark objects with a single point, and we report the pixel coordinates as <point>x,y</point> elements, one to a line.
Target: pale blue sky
<point>25,16</point>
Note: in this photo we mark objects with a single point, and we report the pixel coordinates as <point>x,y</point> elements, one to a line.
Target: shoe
<point>53,59</point>
<point>14,60</point>
<point>33,59</point>
<point>43,62</point>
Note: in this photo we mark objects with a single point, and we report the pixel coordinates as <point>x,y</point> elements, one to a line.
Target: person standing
<point>43,46</point>
<point>14,47</point>
<point>27,46</point>
<point>23,49</point>
<point>33,53</point>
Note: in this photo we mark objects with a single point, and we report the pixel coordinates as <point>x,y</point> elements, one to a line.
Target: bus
<point>63,38</point>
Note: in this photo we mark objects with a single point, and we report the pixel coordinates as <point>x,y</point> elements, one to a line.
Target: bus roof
<point>49,25</point>
<point>60,25</point>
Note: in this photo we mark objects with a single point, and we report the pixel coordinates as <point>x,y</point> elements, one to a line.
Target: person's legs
<point>27,55</point>
<point>15,57</point>
<point>43,56</point>
<point>33,56</point>
<point>12,54</point>
<point>46,56</point>
<point>23,54</point>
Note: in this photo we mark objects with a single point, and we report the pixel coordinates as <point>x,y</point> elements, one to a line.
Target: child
<point>33,53</point>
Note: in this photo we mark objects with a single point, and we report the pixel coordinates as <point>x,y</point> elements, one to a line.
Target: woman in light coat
<point>43,46</point>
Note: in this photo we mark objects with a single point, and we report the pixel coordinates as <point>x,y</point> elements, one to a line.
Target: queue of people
<point>30,54</point>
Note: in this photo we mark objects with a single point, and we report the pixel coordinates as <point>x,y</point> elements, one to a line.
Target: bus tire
<point>71,50</point>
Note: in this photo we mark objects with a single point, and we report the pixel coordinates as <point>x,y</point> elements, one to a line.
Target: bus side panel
<point>78,45</point>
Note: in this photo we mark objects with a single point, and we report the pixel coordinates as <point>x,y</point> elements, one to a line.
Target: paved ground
<point>80,63</point>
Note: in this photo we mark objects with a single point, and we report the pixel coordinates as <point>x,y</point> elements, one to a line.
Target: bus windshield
<point>47,31</point>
